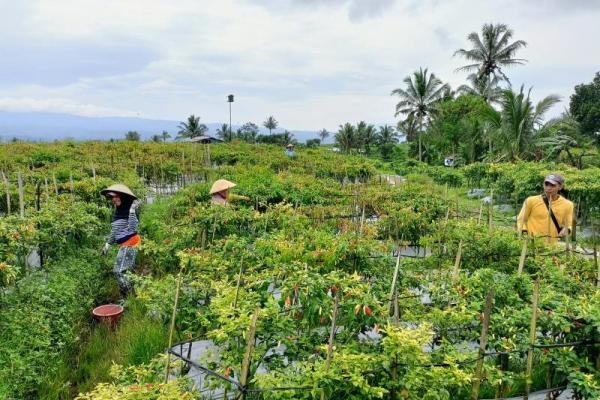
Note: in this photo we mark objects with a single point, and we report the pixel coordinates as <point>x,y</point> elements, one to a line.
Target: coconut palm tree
<point>422,91</point>
<point>408,128</point>
<point>485,87</point>
<point>271,123</point>
<point>346,138</point>
<point>223,133</point>
<point>323,134</point>
<point>164,136</point>
<point>366,136</point>
<point>192,128</point>
<point>521,120</point>
<point>386,135</point>
<point>491,51</point>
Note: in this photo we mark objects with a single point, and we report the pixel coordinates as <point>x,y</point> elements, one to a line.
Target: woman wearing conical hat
<point>123,233</point>
<point>219,193</point>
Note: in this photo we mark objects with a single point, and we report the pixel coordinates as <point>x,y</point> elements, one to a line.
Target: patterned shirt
<point>123,229</point>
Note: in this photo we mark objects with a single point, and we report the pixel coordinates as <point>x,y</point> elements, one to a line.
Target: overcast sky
<point>310,63</point>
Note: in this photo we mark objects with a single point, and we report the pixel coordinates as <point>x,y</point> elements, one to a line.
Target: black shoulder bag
<point>556,225</point>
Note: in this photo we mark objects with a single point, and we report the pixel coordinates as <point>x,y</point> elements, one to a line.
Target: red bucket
<point>108,314</point>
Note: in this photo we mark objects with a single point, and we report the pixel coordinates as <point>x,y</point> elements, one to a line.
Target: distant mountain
<point>43,126</point>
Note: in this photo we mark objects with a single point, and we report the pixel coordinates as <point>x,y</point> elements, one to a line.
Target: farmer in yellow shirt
<point>535,217</point>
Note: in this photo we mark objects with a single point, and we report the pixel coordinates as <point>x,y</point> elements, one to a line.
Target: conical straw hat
<point>119,188</point>
<point>220,185</point>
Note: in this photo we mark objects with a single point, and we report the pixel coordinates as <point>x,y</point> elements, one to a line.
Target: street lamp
<point>230,100</point>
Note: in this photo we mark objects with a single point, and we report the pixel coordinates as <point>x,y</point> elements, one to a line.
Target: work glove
<point>105,249</point>
<point>563,232</point>
<point>134,206</point>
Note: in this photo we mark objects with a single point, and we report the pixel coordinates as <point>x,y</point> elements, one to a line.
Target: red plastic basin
<point>109,314</point>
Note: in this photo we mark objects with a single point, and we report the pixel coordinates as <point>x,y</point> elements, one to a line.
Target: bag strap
<point>556,225</point>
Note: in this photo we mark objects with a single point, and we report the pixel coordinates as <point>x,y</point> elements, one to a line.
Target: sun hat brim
<point>220,185</point>
<point>118,188</point>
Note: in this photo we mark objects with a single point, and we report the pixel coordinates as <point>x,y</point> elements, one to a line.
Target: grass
<point>136,340</point>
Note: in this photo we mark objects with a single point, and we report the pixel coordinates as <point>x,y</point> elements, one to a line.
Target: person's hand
<point>563,232</point>
<point>134,206</point>
<point>105,249</point>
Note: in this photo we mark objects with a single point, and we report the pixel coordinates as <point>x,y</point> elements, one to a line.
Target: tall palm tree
<point>366,136</point>
<point>323,134</point>
<point>165,135</point>
<point>521,120</point>
<point>271,123</point>
<point>485,87</point>
<point>345,138</point>
<point>387,135</point>
<point>223,133</point>
<point>422,91</point>
<point>408,128</point>
<point>192,128</point>
<point>491,51</point>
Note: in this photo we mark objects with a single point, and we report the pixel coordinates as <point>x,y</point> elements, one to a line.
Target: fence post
<point>7,188</point>
<point>457,262</point>
<point>248,354</point>
<point>482,344</point>
<point>534,306</point>
<point>21,195</point>
<point>523,255</point>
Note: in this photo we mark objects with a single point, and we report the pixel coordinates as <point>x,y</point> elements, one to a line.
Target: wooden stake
<point>523,255</point>
<point>93,173</point>
<point>7,188</point>
<point>172,327</point>
<point>21,195</point>
<point>457,262</point>
<point>71,183</point>
<point>482,344</point>
<point>532,330</point>
<point>248,353</point>
<point>480,212</point>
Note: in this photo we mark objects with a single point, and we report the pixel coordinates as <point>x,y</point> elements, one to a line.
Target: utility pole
<point>230,100</point>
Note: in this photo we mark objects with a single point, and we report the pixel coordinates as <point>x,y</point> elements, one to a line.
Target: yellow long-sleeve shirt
<point>535,219</point>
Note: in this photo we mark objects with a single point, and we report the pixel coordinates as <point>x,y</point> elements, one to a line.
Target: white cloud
<point>310,63</point>
<point>55,105</point>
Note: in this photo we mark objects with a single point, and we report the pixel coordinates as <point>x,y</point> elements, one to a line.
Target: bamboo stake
<point>532,330</point>
<point>491,211</point>
<point>480,213</point>
<point>331,338</point>
<point>362,220</point>
<point>395,276</point>
<point>457,262</point>
<point>596,254</point>
<point>239,281</point>
<point>248,354</point>
<point>55,184</point>
<point>93,173</point>
<point>7,188</point>
<point>21,195</point>
<point>172,327</point>
<point>482,344</point>
<point>523,255</point>
<point>46,189</point>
